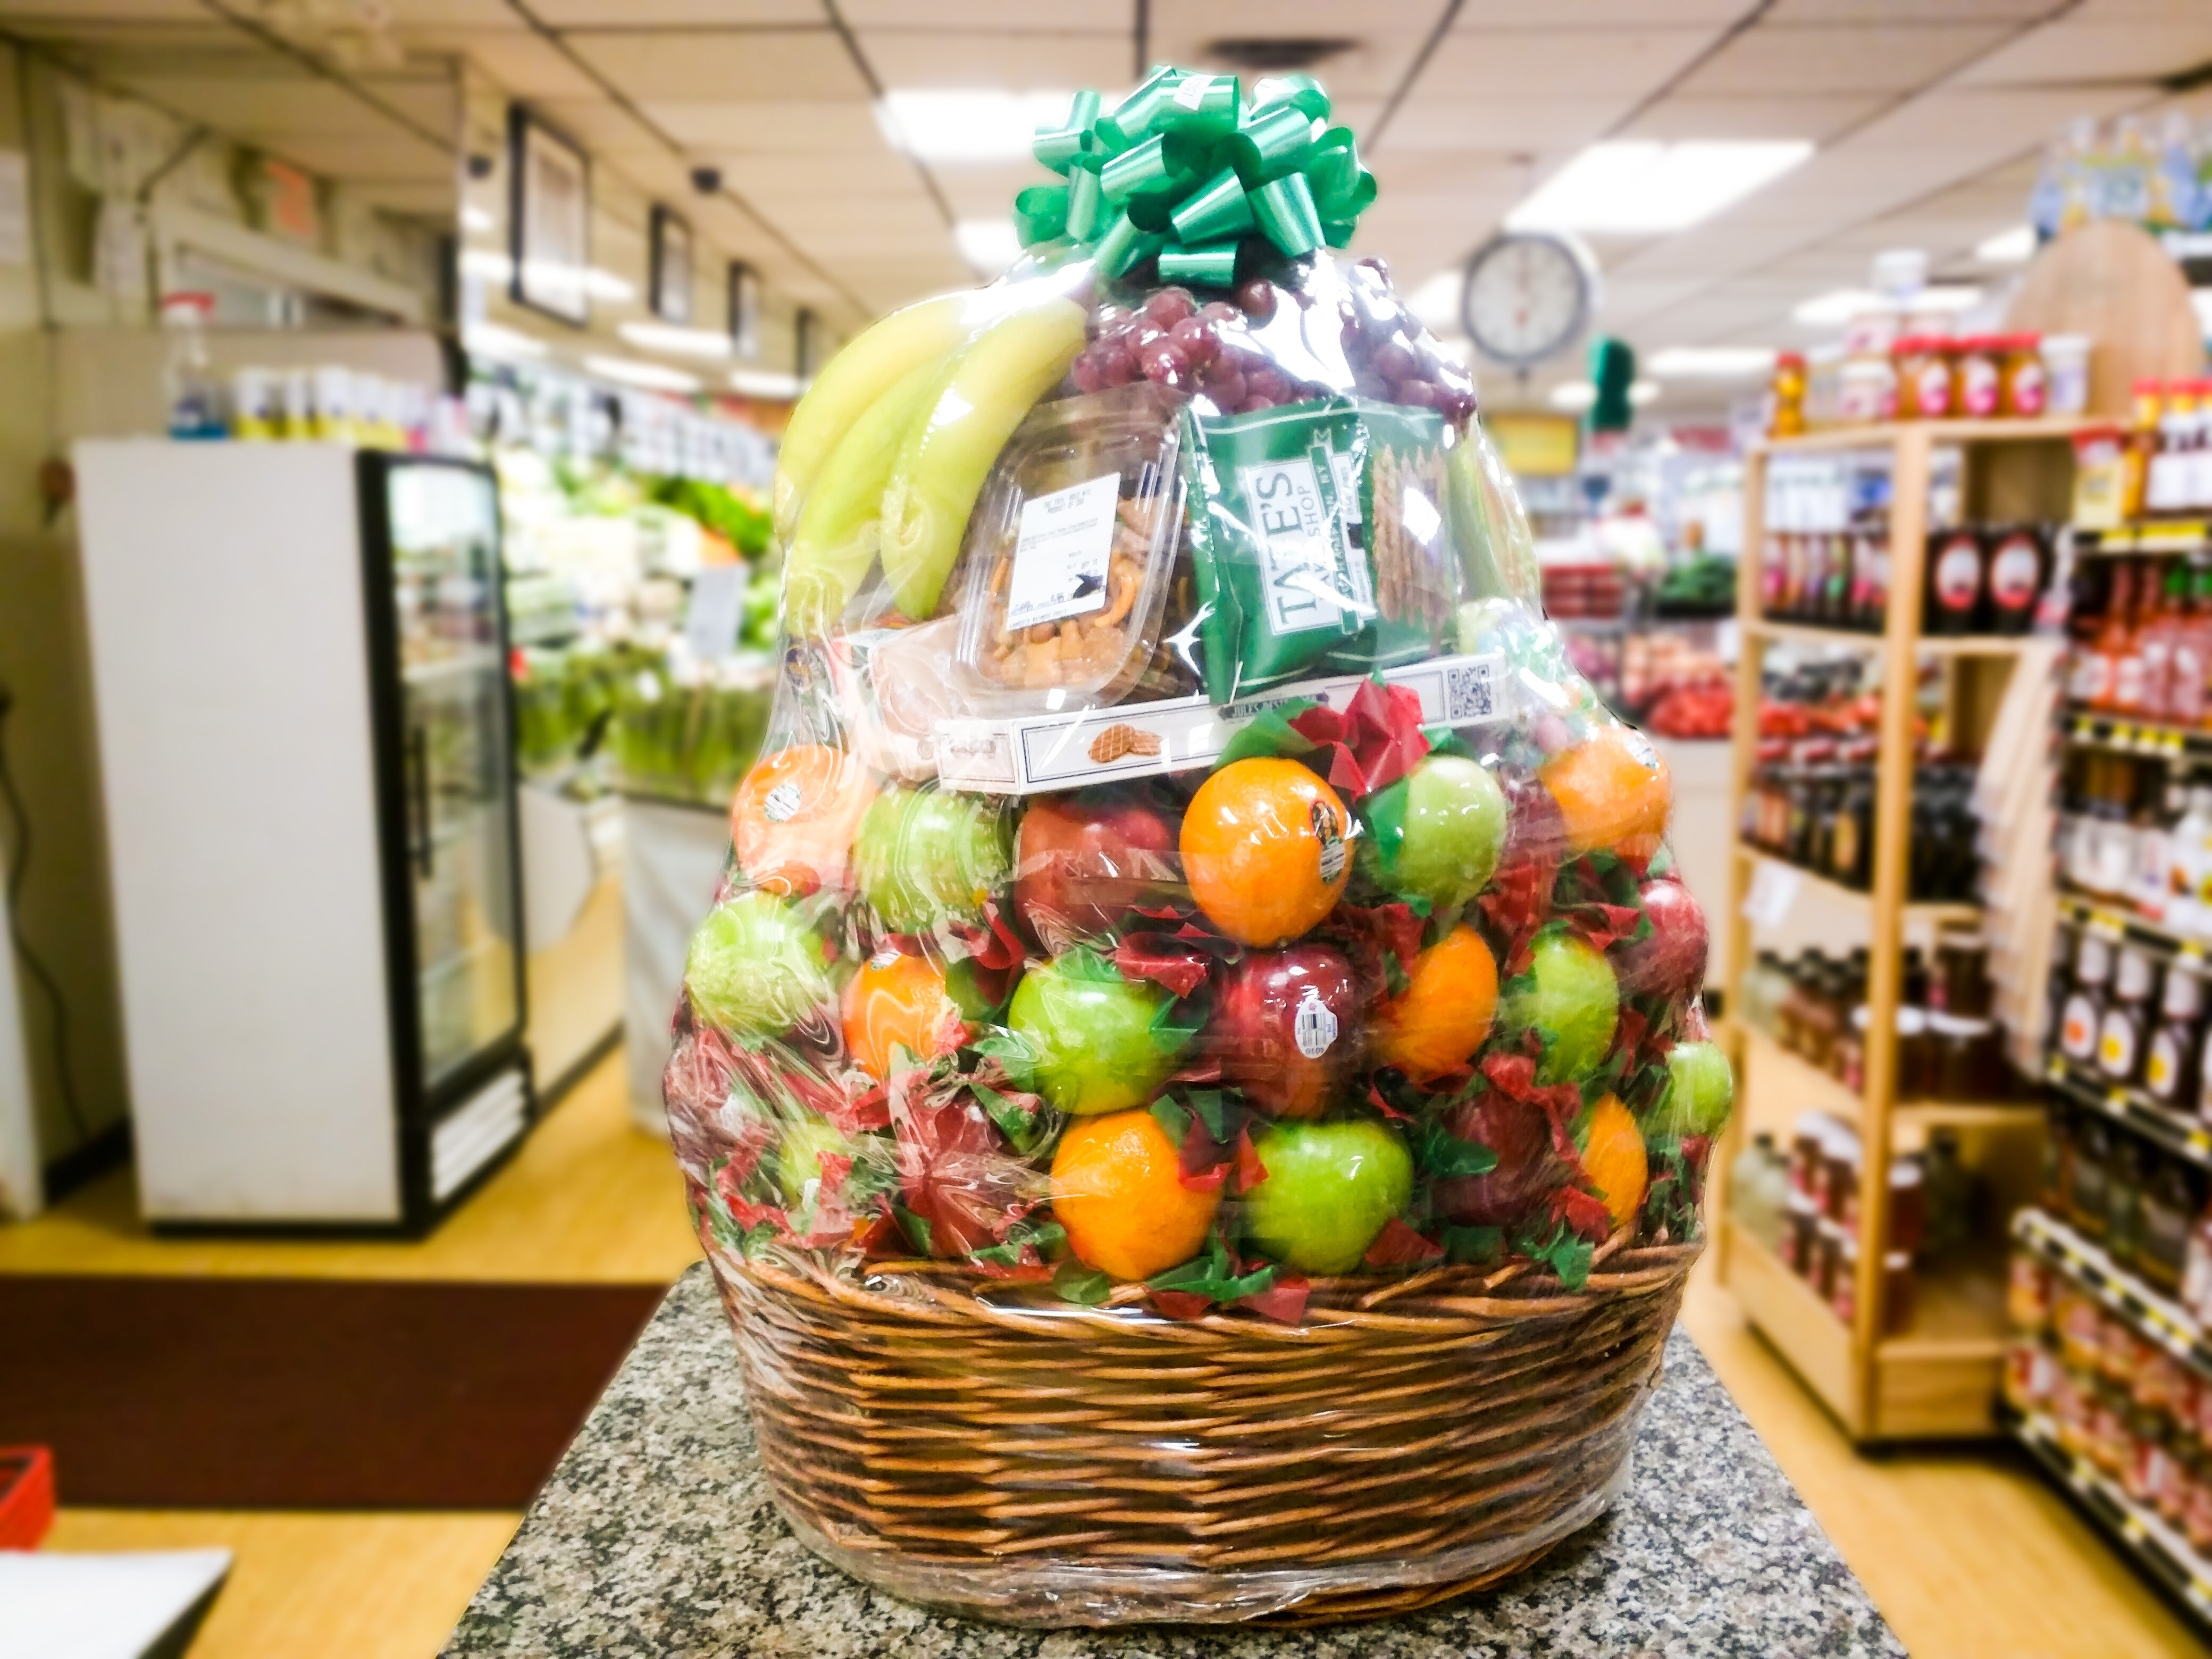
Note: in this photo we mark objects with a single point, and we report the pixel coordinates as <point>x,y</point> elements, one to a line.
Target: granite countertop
<point>656,1536</point>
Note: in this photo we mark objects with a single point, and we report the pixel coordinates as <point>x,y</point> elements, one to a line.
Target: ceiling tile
<point>435,106</point>
<point>97,10</point>
<point>913,214</point>
<point>1436,120</point>
<point>983,192</point>
<point>1036,16</point>
<point>1017,63</point>
<point>822,128</point>
<point>1374,66</point>
<point>2068,51</point>
<point>1770,61</point>
<point>679,65</point>
<point>528,66</point>
<point>1907,11</point>
<point>1268,20</point>
<point>877,172</point>
<point>1624,64</point>
<point>262,103</point>
<point>834,244</point>
<point>427,198</point>
<point>1431,172</point>
<point>345,157</point>
<point>455,15</point>
<point>649,14</point>
<point>1808,117</point>
<point>1599,13</point>
<point>600,125</point>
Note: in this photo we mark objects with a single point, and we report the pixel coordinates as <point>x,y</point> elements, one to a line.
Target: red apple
<point>1083,861</point>
<point>1535,837</point>
<point>1287,1027</point>
<point>1671,961</point>
<point>1526,1169</point>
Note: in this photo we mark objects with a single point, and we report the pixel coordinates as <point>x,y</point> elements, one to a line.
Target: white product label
<point>1331,839</point>
<point>1061,553</point>
<point>1302,554</point>
<point>717,611</point>
<point>782,804</point>
<point>1314,1026</point>
<point>1774,889</point>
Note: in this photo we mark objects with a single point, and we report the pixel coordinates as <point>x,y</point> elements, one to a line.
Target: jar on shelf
<point>1924,377</point>
<point>1977,377</point>
<point>2024,386</point>
<point>1787,417</point>
<point>1867,391</point>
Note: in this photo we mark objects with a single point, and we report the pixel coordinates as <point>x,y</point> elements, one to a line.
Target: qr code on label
<point>1471,690</point>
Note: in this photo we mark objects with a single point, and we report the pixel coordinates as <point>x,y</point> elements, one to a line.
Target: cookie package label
<point>1061,553</point>
<point>1023,756</point>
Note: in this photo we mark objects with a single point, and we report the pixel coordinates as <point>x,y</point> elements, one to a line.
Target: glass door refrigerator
<point>298,661</point>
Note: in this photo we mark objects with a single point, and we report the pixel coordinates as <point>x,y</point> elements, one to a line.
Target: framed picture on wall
<point>671,266</point>
<point>550,218</point>
<point>744,310</point>
<point>806,331</point>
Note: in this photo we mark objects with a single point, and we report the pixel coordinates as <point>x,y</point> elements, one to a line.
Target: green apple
<point>797,1155</point>
<point>1705,1089</point>
<point>1100,1040</point>
<point>1575,997</point>
<point>755,968</point>
<point>1330,1188</point>
<point>929,856</point>
<point>1438,832</point>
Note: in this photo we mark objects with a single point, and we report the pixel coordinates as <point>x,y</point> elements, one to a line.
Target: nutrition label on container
<point>1061,551</point>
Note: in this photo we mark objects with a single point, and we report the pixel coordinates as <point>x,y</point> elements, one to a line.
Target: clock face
<point>1527,297</point>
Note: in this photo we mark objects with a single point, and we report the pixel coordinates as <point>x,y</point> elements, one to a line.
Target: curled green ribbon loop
<point>1188,170</point>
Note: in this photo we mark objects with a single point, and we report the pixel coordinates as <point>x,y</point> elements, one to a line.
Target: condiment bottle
<point>2024,390</point>
<point>2143,448</point>
<point>2125,1028</point>
<point>2196,1268</point>
<point>2080,1023</point>
<point>1956,587</point>
<point>2124,1177</point>
<point>2169,1206</point>
<point>2173,1057</point>
<point>2086,1196</point>
<point>1979,382</point>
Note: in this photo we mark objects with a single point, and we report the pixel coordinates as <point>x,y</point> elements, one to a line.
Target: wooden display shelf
<point>2121,922</point>
<point>1855,639</point>
<point>1937,1379</point>
<point>1795,1078</point>
<point>1940,1378</point>
<point>2084,728</point>
<point>2151,536</point>
<point>1927,910</point>
<point>2156,1317</point>
<point>1885,434</point>
<point>2184,1137</point>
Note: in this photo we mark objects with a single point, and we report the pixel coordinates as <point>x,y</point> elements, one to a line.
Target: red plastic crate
<point>26,1496</point>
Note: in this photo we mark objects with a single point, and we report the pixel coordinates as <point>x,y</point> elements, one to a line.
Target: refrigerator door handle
<point>418,760</point>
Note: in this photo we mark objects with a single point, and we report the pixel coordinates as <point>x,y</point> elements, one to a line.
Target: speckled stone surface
<point>656,1537</point>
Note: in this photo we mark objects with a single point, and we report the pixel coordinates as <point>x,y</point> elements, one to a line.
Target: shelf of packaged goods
<point>2083,729</point>
<point>2156,536</point>
<point>1779,1073</point>
<point>1931,911</point>
<point>2155,1316</point>
<point>1854,639</point>
<point>2120,924</point>
<point>2185,1138</point>
<point>2143,1535</point>
<point>1935,1380</point>
<point>1880,434</point>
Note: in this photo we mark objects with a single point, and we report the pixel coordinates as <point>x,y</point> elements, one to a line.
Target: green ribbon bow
<point>1186,170</point>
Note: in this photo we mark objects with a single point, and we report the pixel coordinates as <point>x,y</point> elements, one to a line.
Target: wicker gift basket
<point>1192,1088</point>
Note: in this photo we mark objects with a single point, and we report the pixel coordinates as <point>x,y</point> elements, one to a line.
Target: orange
<point>1265,849</point>
<point>1115,1189</point>
<point>1613,794</point>
<point>1446,1012</point>
<point>1614,1158</point>
<point>899,1000</point>
<point>795,814</point>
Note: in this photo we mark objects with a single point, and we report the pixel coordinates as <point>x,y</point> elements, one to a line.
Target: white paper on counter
<point>57,1606</point>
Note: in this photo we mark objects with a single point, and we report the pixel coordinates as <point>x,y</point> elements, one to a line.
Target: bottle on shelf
<point>2174,1056</point>
<point>2144,426</point>
<point>2169,478</point>
<point>2083,1017</point>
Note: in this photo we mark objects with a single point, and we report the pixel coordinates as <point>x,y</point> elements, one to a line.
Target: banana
<point>836,537</point>
<point>949,450</point>
<point>877,359</point>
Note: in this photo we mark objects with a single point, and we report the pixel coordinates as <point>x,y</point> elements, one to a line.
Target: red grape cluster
<point>1395,359</point>
<point>1173,339</point>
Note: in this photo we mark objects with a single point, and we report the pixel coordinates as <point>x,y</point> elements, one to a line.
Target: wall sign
<point>744,310</point>
<point>807,330</point>
<point>551,219</point>
<point>671,266</point>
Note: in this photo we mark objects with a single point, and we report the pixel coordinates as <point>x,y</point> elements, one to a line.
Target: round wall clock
<point>1528,295</point>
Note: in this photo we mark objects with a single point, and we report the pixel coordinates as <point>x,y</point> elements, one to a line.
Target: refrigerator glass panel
<point>460,829</point>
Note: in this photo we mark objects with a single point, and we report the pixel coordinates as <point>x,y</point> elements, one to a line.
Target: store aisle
<point>1966,1550</point>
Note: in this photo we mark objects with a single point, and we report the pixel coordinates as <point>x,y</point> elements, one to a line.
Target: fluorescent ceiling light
<point>989,244</point>
<point>630,372</point>
<point>764,383</point>
<point>493,267</point>
<point>678,342</point>
<point>979,125</point>
<point>496,267</point>
<point>1436,301</point>
<point>2008,247</point>
<point>1838,306</point>
<point>605,285</point>
<point>1712,362</point>
<point>1640,186</point>
<point>476,220</point>
<point>1576,396</point>
<point>494,340</point>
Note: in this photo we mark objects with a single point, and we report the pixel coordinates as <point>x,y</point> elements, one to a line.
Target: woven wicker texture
<point>1409,1441</point>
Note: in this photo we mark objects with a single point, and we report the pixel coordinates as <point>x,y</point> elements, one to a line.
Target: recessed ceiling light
<point>764,383</point>
<point>494,340</point>
<point>989,244</point>
<point>630,372</point>
<point>1641,185</point>
<point>1838,306</point>
<point>1712,362</point>
<point>680,342</point>
<point>476,219</point>
<point>979,125</point>
<point>2008,247</point>
<point>1578,395</point>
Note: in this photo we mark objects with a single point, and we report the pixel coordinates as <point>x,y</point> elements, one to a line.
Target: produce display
<point>1185,906</point>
